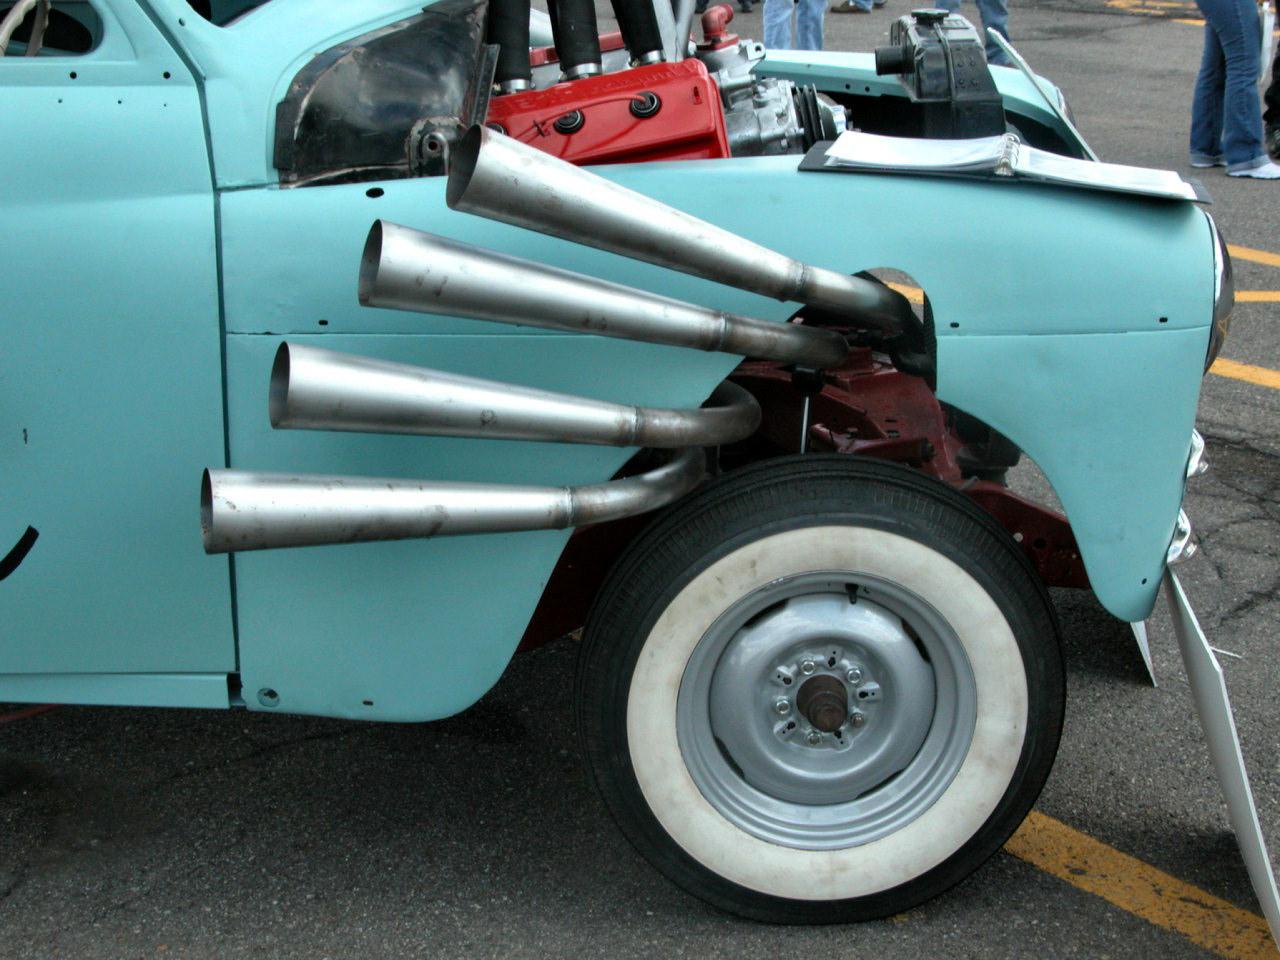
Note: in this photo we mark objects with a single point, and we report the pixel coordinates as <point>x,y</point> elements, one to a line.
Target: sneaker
<point>1268,171</point>
<point>1272,142</point>
<point>848,6</point>
<point>1203,163</point>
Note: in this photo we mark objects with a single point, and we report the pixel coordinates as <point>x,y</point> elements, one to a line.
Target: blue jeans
<point>995,16</point>
<point>1226,117</point>
<point>777,24</point>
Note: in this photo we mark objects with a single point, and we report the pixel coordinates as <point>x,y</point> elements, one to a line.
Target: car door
<point>110,369</point>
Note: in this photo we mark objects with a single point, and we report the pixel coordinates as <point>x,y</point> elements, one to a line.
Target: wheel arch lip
<point>1110,422</point>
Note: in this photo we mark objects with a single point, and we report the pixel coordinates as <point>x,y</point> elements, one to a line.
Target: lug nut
<point>782,707</point>
<point>857,719</point>
<point>854,675</point>
<point>807,667</point>
<point>814,738</point>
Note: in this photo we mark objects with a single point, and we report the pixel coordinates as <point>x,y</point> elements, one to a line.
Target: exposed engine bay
<point>394,101</point>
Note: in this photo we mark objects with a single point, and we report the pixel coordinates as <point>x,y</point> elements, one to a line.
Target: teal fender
<point>1056,331</point>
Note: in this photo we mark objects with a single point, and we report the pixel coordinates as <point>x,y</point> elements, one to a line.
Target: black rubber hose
<point>508,27</point>
<point>577,37</point>
<point>639,25</point>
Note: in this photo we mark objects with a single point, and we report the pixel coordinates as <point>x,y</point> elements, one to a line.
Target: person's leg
<point>1271,115</point>
<point>1206,103</point>
<point>1236,24</point>
<point>995,16</point>
<point>777,24</point>
<point>809,14</point>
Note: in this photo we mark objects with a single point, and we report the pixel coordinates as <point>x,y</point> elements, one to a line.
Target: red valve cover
<point>688,125</point>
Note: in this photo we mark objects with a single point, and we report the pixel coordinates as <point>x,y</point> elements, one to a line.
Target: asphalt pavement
<point>132,833</point>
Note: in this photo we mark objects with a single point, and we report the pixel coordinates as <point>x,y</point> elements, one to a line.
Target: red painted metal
<point>715,28</point>
<point>688,126</point>
<point>870,408</point>
<point>541,56</point>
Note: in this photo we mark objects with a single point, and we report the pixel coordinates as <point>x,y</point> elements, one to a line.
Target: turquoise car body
<point>153,264</point>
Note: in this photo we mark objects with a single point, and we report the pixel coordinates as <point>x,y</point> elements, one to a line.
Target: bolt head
<point>854,675</point>
<point>807,667</point>
<point>814,738</point>
<point>857,719</point>
<point>782,707</point>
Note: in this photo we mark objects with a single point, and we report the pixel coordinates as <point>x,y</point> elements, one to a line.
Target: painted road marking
<point>1139,888</point>
<point>1258,296</point>
<point>1257,256</point>
<point>1247,372</point>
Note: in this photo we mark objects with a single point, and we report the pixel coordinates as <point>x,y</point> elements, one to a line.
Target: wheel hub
<point>824,702</point>
<point>822,710</point>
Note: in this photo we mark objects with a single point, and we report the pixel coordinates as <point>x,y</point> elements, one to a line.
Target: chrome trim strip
<point>1182,547</point>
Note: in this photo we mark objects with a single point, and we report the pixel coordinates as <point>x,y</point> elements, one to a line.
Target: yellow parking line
<point>1258,296</point>
<point>1257,256</point>
<point>1247,372</point>
<point>1140,889</point>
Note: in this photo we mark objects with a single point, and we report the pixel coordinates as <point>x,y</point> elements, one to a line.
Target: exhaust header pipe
<point>262,511</point>
<point>406,269</point>
<point>500,178</point>
<point>314,389</point>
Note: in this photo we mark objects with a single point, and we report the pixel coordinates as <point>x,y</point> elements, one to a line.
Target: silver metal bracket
<point>1214,708</point>
<point>1139,628</point>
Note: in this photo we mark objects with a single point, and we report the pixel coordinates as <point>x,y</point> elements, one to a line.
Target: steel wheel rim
<point>830,794</point>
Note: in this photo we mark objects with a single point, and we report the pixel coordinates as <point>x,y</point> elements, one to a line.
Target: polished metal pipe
<point>684,26</point>
<point>500,178</point>
<point>261,511</point>
<point>406,269</point>
<point>315,389</point>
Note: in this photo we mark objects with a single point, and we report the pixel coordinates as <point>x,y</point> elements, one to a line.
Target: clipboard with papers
<point>1002,157</point>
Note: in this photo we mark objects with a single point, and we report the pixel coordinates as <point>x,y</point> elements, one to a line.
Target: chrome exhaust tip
<point>407,269</point>
<point>317,389</point>
<point>242,511</point>
<point>495,176</point>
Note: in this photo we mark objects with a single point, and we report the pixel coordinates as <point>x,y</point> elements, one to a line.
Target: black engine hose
<point>508,28</point>
<point>577,37</point>
<point>639,25</point>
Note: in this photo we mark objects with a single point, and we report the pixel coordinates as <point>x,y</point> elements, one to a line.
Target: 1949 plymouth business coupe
<point>809,308</point>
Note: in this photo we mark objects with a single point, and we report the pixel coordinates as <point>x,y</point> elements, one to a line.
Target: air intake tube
<point>577,36</point>
<point>639,25</point>
<point>508,28</point>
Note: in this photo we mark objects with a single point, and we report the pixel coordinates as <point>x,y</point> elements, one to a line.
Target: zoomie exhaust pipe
<point>262,511</point>
<point>406,269</point>
<point>314,389</point>
<point>494,176</point>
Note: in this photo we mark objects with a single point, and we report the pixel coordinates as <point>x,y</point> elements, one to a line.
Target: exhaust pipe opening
<point>206,512</point>
<point>278,391</point>
<point>462,165</point>
<point>370,260</point>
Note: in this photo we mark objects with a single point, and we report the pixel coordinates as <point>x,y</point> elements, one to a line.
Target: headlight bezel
<point>1224,295</point>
